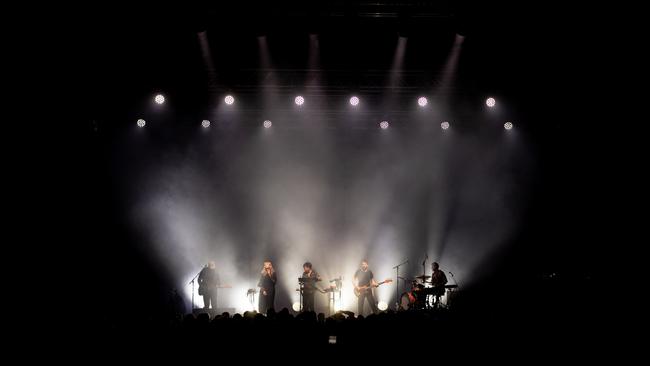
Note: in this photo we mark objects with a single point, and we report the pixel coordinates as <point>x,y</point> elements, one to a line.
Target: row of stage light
<point>354,101</point>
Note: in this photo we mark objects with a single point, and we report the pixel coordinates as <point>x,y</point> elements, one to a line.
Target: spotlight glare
<point>508,125</point>
<point>141,123</point>
<point>267,124</point>
<point>229,99</point>
<point>160,99</point>
<point>422,101</point>
<point>383,125</point>
<point>296,306</point>
<point>299,100</point>
<point>444,125</point>
<point>382,305</point>
<point>354,101</point>
<point>490,102</point>
<point>205,123</point>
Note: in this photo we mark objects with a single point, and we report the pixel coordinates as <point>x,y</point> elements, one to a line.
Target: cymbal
<point>423,277</point>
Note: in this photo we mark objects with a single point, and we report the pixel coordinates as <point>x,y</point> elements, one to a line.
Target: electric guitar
<point>358,290</point>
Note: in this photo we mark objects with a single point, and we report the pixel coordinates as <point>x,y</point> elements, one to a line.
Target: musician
<point>438,282</point>
<point>267,281</point>
<point>310,277</point>
<point>364,281</point>
<point>208,282</point>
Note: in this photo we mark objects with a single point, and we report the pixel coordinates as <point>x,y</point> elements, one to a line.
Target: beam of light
<point>290,216</point>
<point>314,51</point>
<point>314,73</point>
<point>207,58</point>
<point>313,82</point>
<point>422,101</point>
<point>354,101</point>
<point>384,125</point>
<point>299,100</point>
<point>444,125</point>
<point>398,61</point>
<point>293,213</point>
<point>268,124</point>
<point>265,54</point>
<point>449,69</point>
<point>386,241</point>
<point>395,76</point>
<point>490,102</point>
<point>229,99</point>
<point>159,99</point>
<point>382,305</point>
<point>508,125</point>
<point>205,123</point>
<point>141,123</point>
<point>267,76</point>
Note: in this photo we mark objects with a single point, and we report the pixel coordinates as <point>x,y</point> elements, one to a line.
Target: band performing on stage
<point>424,291</point>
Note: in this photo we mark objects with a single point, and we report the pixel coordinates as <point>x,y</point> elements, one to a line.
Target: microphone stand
<point>424,268</point>
<point>301,286</point>
<point>192,282</point>
<point>424,279</point>
<point>453,278</point>
<point>456,289</point>
<point>397,280</point>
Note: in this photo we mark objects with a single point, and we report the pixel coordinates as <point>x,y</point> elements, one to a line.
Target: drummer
<point>438,282</point>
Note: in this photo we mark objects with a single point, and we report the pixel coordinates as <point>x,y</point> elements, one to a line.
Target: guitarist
<point>208,282</point>
<point>364,281</point>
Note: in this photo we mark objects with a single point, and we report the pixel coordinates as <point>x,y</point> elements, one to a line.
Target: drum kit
<point>421,295</point>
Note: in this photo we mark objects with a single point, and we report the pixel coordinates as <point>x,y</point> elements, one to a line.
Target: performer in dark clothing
<point>364,281</point>
<point>266,283</point>
<point>208,282</point>
<point>310,277</point>
<point>438,282</point>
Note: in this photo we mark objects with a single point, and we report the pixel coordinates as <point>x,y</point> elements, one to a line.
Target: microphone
<point>452,275</point>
